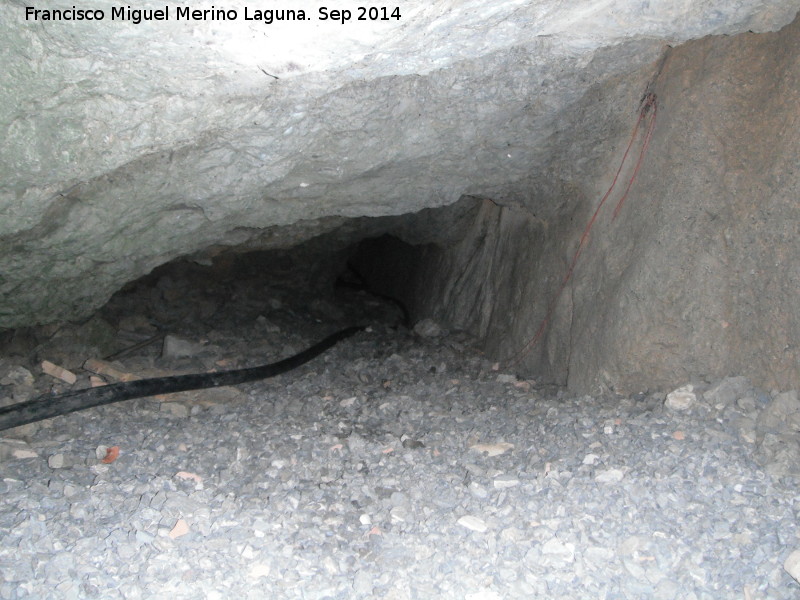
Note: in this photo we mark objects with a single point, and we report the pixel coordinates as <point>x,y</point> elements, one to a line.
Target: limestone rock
<point>681,399</point>
<point>792,564</point>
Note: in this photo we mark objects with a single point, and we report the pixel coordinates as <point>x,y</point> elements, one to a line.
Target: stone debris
<point>176,347</point>
<point>176,409</point>
<point>610,476</point>
<point>18,380</point>
<point>428,328</point>
<point>503,482</point>
<point>444,483</point>
<point>18,449</point>
<point>102,367</point>
<point>495,449</point>
<point>681,399</point>
<point>59,372</point>
<point>563,552</point>
<point>185,475</point>
<point>728,391</point>
<point>792,565</point>
<point>180,529</point>
<point>16,375</point>
<point>591,459</point>
<point>56,461</point>
<point>259,570</point>
<point>473,523</point>
<point>782,413</point>
<point>69,345</point>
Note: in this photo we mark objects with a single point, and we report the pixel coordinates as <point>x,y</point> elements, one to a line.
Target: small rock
<point>17,375</point>
<point>782,413</point>
<point>347,402</point>
<point>681,399</point>
<point>190,476</point>
<point>175,347</point>
<point>413,444</point>
<point>630,545</point>
<point>727,391</point>
<point>175,409</point>
<point>56,461</point>
<point>428,328</point>
<point>792,565</point>
<point>158,500</point>
<point>259,570</point>
<point>492,449</point>
<point>399,514</point>
<point>126,551</point>
<point>362,584</point>
<point>10,448</point>
<point>598,555</point>
<point>506,378</point>
<point>477,490</point>
<point>747,430</point>
<point>565,552</point>
<point>610,476</point>
<point>181,528</point>
<point>23,453</point>
<point>142,537</point>
<point>505,481</point>
<point>331,567</point>
<point>59,372</point>
<point>590,459</point>
<point>473,523</point>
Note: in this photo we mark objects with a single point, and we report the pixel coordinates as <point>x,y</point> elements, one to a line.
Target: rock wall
<point>124,145</point>
<point>697,278</point>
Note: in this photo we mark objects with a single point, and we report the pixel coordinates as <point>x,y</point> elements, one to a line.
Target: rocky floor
<point>398,465</point>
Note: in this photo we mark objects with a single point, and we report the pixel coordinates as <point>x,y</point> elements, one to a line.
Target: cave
<point>547,253</point>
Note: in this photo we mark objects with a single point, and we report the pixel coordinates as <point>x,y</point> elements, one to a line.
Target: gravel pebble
<point>473,523</point>
<point>410,482</point>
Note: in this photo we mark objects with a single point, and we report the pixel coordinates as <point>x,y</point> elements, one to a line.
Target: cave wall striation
<point>699,275</point>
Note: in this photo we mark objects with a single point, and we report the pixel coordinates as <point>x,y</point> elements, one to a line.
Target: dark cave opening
<point>233,308</point>
<point>386,271</point>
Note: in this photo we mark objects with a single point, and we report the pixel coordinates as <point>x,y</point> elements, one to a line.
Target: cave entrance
<point>258,304</point>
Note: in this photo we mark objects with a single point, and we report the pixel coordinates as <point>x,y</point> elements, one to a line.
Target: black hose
<point>47,406</point>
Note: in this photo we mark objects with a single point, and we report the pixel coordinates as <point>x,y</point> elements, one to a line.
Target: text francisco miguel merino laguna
<point>185,13</point>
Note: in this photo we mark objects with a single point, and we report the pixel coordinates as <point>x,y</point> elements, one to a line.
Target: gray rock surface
<point>696,278</point>
<point>125,145</point>
<point>307,487</point>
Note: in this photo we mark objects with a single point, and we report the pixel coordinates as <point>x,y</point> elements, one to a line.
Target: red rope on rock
<point>649,101</point>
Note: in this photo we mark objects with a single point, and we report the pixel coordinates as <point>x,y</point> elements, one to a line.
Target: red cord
<point>648,102</point>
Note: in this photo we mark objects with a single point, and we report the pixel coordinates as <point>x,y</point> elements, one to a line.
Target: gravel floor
<point>399,466</point>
